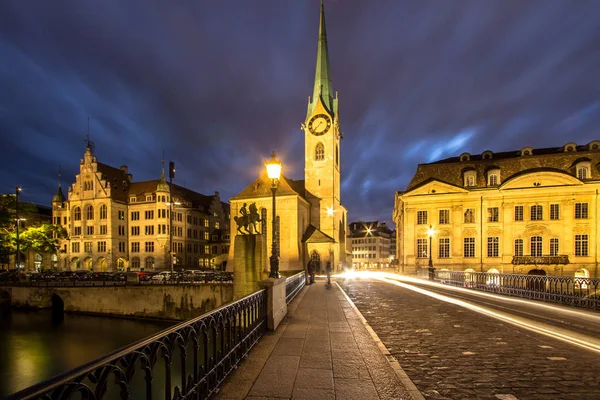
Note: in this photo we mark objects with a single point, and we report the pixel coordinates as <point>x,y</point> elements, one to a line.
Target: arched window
<point>135,263</point>
<point>149,264</point>
<point>89,212</point>
<point>103,211</point>
<point>319,152</point>
<point>493,179</point>
<point>77,214</point>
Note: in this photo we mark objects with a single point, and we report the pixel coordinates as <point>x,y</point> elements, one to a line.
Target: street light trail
<point>589,315</point>
<point>586,342</point>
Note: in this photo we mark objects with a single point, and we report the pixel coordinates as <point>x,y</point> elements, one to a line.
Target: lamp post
<point>17,192</point>
<point>274,173</point>
<point>430,233</point>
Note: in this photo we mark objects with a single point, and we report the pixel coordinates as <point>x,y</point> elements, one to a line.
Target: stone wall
<point>179,302</point>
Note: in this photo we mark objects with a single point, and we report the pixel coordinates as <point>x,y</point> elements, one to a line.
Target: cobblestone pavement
<point>450,352</point>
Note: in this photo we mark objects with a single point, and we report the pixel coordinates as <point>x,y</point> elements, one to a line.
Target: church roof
<point>59,197</point>
<point>261,187</point>
<point>315,235</point>
<point>509,163</point>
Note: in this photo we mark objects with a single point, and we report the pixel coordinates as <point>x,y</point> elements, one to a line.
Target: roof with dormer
<point>510,163</point>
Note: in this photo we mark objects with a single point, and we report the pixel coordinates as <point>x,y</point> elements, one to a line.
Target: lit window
<point>493,246</point>
<point>555,211</point>
<point>554,246</point>
<point>518,247</point>
<point>103,211</point>
<point>582,172</point>
<point>444,216</point>
<point>77,214</point>
<point>536,246</point>
<point>581,245</point>
<point>518,213</point>
<point>581,210</point>
<point>319,152</point>
<point>493,180</point>
<point>469,247</point>
<point>421,217</point>
<point>422,248</point>
<point>536,213</point>
<point>444,248</point>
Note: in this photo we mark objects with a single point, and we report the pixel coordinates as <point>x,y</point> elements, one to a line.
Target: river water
<point>34,348</point>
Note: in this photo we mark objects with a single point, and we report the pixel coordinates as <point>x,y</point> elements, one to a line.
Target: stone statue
<point>247,219</point>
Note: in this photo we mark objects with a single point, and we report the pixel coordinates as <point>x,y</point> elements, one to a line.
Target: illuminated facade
<point>371,245</point>
<point>529,211</point>
<point>116,224</point>
<point>312,218</point>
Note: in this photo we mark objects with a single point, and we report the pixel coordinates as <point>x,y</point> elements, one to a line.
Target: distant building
<point>371,244</point>
<point>116,224</point>
<point>529,211</point>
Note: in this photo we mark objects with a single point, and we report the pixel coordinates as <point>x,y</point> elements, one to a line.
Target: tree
<point>44,238</point>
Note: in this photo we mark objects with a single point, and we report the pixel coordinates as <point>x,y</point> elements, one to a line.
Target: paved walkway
<point>323,350</point>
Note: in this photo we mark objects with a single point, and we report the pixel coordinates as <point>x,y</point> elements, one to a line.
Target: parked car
<point>162,276</point>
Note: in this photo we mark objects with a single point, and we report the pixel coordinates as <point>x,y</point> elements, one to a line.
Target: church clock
<point>319,124</point>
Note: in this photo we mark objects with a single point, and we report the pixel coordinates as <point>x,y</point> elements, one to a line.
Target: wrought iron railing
<point>540,260</point>
<point>574,291</point>
<point>187,361</point>
<point>293,284</point>
<point>223,277</point>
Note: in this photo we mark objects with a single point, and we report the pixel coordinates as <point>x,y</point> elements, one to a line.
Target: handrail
<point>574,291</point>
<point>227,332</point>
<point>293,284</point>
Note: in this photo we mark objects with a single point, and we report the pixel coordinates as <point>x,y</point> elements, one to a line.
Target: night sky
<point>217,85</point>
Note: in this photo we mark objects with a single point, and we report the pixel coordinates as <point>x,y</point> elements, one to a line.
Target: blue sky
<point>218,85</point>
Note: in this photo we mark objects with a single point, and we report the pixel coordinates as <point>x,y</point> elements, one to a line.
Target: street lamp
<point>17,192</point>
<point>430,233</point>
<point>274,173</point>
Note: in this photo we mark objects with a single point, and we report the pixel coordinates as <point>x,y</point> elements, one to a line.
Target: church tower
<point>322,151</point>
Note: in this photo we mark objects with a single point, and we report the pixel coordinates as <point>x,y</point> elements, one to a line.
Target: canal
<point>33,347</point>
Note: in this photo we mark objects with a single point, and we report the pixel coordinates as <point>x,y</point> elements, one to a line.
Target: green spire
<point>322,87</point>
<point>162,186</point>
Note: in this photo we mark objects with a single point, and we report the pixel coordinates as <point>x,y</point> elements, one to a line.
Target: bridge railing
<point>189,360</point>
<point>293,285</point>
<point>574,291</point>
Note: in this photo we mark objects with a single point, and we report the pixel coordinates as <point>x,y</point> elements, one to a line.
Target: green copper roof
<point>322,86</point>
<point>162,186</point>
<point>59,197</point>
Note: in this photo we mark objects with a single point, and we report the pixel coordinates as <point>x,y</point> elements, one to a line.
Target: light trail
<point>583,341</point>
<point>589,315</point>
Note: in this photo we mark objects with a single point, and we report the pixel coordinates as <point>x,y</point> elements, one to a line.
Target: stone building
<point>371,244</point>
<point>116,224</point>
<point>312,219</point>
<point>529,211</point>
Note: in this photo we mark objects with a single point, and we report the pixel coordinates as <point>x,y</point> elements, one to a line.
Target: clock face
<point>319,124</point>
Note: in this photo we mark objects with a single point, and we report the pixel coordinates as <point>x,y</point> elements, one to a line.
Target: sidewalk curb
<point>408,383</point>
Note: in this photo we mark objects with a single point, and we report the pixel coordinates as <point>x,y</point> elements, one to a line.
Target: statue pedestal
<point>250,258</point>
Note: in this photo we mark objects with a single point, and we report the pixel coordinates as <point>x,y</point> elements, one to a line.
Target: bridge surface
<point>323,350</point>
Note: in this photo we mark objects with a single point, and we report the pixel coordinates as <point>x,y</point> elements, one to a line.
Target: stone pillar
<point>276,304</point>
<point>250,257</point>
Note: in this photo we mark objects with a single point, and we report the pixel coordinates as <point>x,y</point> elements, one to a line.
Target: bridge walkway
<point>324,349</point>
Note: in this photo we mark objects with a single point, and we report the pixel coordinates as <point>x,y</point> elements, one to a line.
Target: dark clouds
<point>218,85</point>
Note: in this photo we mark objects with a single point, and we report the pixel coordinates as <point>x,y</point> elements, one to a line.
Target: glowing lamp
<point>273,167</point>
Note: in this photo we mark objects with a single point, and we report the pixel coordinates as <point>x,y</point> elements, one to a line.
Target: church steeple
<point>59,197</point>
<point>322,88</point>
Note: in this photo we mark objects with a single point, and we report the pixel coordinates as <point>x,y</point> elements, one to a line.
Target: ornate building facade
<point>116,224</point>
<point>312,219</point>
<point>529,211</point>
